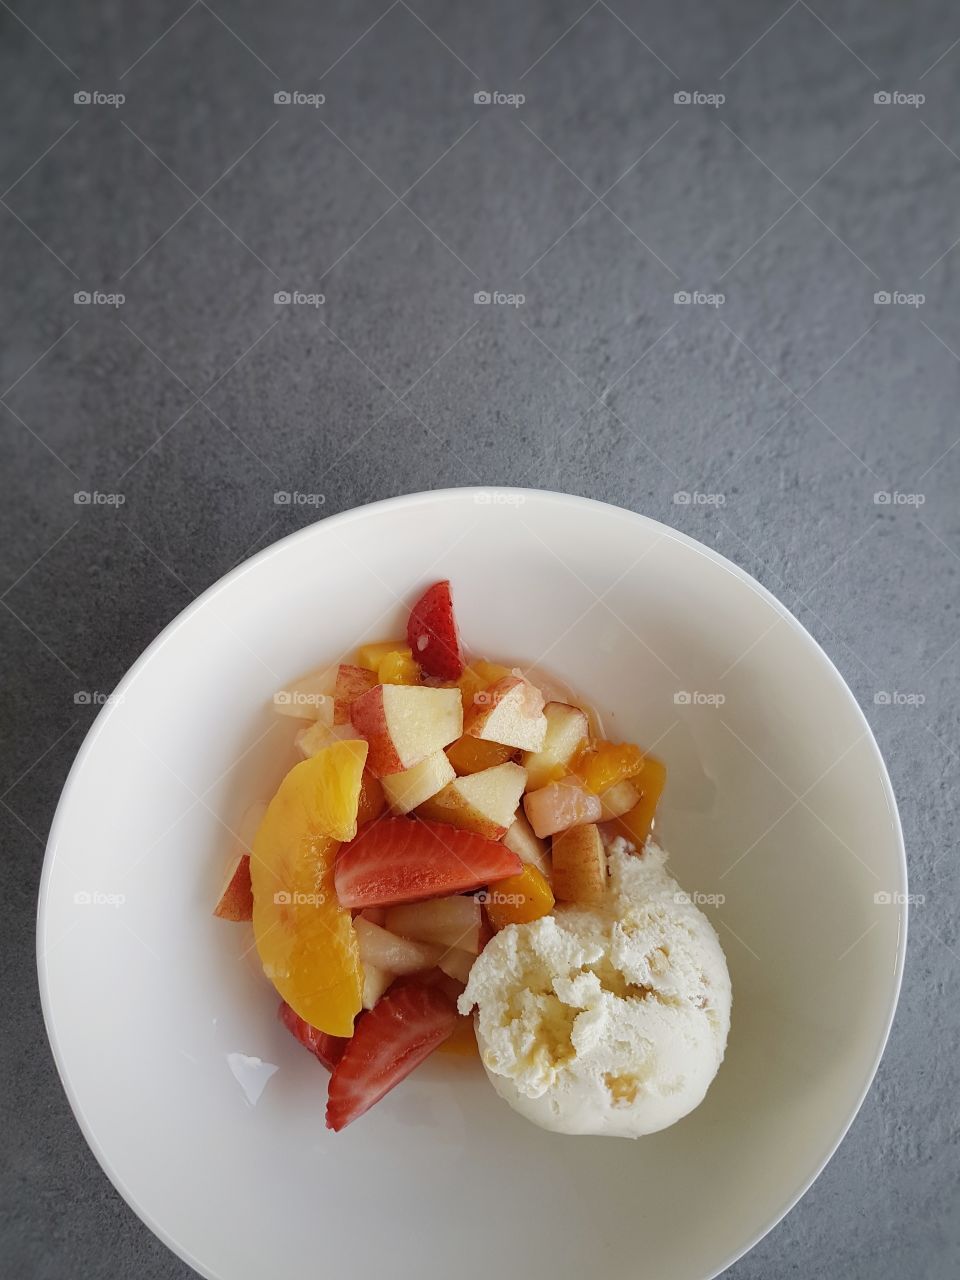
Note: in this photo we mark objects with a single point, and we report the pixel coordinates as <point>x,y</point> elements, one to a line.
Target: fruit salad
<point>462,862</point>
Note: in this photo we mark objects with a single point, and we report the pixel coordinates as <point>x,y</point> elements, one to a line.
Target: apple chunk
<point>521,840</point>
<point>236,900</point>
<point>404,791</point>
<point>567,730</point>
<point>484,802</point>
<point>404,724</point>
<point>350,684</point>
<point>448,922</point>
<point>509,712</point>
<point>618,800</point>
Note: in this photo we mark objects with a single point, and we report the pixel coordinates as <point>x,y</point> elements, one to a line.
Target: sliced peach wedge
<point>305,939</point>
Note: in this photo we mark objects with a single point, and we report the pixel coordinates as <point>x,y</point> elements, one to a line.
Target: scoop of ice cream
<point>610,1019</point>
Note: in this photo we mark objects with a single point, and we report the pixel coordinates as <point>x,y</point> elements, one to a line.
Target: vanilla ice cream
<point>609,1019</point>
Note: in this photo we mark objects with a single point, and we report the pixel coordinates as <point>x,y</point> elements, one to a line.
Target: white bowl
<point>777,799</point>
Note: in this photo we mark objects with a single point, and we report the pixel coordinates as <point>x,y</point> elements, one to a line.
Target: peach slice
<point>470,755</point>
<point>406,723</point>
<point>519,899</point>
<point>484,802</point>
<point>305,939</point>
<point>509,712</point>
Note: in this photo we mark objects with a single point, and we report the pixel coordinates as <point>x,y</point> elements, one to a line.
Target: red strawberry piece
<point>406,859</point>
<point>326,1048</point>
<point>395,1036</point>
<point>432,633</point>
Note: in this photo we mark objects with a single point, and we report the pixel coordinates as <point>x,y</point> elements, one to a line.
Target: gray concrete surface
<point>790,406</point>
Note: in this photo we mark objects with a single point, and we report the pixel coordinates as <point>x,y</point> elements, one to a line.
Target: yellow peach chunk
<point>519,899</point>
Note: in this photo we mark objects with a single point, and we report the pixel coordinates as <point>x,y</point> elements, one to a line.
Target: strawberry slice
<point>326,1048</point>
<point>394,1037</point>
<point>406,859</point>
<point>432,633</point>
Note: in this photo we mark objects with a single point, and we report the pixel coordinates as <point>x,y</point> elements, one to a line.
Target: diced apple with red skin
<point>618,800</point>
<point>484,802</point>
<point>446,922</point>
<point>404,791</point>
<point>236,900</point>
<point>405,860</point>
<point>567,729</point>
<point>432,633</point>
<point>404,724</point>
<point>509,712</point>
<point>385,950</point>
<point>561,805</point>
<point>528,846</point>
<point>352,682</point>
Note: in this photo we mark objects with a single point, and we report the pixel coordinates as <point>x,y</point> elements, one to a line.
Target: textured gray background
<point>796,401</point>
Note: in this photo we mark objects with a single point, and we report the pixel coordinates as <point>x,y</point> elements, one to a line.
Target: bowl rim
<point>339,520</point>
